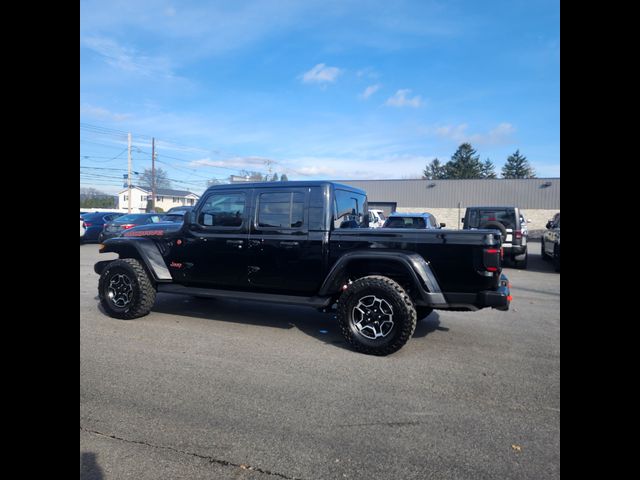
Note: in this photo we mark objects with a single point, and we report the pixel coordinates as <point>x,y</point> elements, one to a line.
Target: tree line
<point>466,163</point>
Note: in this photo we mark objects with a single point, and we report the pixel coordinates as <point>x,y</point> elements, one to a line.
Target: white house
<point>166,198</point>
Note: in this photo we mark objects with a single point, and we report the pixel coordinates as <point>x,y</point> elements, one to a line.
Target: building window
<point>159,199</point>
<point>191,201</point>
<point>176,199</point>
<point>126,198</point>
<point>143,198</point>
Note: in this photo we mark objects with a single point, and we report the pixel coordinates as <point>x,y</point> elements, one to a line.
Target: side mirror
<point>548,225</point>
<point>442,225</point>
<point>189,218</point>
<point>462,220</point>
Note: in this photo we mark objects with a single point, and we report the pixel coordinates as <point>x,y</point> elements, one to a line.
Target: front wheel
<point>376,315</point>
<point>125,289</point>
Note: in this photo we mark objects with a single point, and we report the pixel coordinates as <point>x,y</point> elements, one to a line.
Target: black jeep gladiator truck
<point>306,243</point>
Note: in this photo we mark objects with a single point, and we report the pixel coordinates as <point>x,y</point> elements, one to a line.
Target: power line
<point>110,159</point>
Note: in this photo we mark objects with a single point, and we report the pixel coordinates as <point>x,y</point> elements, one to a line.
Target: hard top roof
<point>408,214</point>
<point>287,184</point>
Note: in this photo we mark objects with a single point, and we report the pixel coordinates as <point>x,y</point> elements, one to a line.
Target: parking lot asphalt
<point>225,389</point>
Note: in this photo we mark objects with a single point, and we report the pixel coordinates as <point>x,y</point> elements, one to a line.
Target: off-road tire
<point>521,264</point>
<point>423,312</point>
<point>496,226</point>
<point>143,293</point>
<point>404,315</point>
<point>556,260</point>
<point>542,254</point>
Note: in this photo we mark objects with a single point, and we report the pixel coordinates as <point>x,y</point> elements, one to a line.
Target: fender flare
<point>143,249</point>
<point>419,270</point>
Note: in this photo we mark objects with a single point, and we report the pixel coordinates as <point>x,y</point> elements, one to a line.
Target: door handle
<point>289,244</point>
<point>235,242</point>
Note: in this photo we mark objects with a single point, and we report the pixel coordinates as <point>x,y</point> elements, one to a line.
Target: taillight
<point>86,224</point>
<point>518,234</point>
<point>128,226</point>
<point>491,259</point>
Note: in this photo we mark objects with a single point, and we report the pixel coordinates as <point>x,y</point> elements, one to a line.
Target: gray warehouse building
<point>447,199</point>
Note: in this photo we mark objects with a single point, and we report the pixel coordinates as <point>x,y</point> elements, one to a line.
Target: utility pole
<point>129,174</point>
<point>153,174</point>
<point>268,164</point>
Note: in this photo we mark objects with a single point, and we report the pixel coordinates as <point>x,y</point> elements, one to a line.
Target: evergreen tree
<point>275,177</point>
<point>284,178</point>
<point>488,169</point>
<point>517,166</point>
<point>464,163</point>
<point>434,171</point>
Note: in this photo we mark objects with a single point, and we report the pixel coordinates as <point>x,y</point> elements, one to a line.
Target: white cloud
<point>502,133</point>
<point>368,73</point>
<point>128,59</point>
<point>370,90</point>
<point>354,167</point>
<point>401,99</point>
<point>321,74</point>
<point>103,113</point>
<point>234,162</point>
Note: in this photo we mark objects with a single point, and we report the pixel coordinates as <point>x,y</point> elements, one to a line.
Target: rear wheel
<point>543,255</point>
<point>376,315</point>
<point>522,264</point>
<point>125,289</point>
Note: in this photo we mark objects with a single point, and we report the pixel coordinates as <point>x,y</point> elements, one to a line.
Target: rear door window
<point>281,210</point>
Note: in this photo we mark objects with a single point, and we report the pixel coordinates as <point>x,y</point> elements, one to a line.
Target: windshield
<point>405,222</point>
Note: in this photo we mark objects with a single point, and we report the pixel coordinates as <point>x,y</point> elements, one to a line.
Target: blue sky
<point>321,89</point>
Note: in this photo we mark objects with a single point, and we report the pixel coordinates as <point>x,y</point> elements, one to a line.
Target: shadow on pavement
<point>89,468</point>
<point>321,326</point>
<point>535,262</point>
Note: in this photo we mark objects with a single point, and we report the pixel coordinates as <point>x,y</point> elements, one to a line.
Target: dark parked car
<point>93,224</point>
<point>511,223</point>
<point>182,209</point>
<point>306,243</point>
<point>412,220</point>
<point>125,222</point>
<point>550,248</point>
<point>173,217</point>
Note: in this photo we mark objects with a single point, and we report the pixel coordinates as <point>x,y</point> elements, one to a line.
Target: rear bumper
<point>513,250</point>
<point>498,299</point>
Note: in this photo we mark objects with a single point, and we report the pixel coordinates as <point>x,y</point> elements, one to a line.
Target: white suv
<point>376,218</point>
